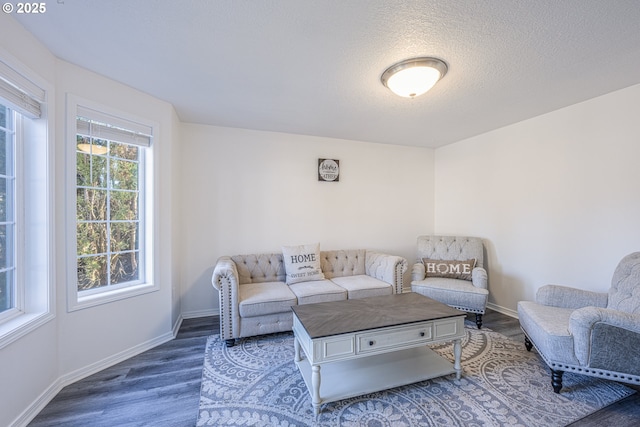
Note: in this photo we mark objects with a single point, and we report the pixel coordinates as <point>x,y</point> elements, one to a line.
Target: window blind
<point>20,93</point>
<point>104,126</point>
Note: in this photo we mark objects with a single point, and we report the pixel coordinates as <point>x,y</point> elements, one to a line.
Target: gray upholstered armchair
<point>450,269</point>
<point>590,333</point>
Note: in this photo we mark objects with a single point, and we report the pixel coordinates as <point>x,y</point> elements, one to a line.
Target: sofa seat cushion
<point>258,299</point>
<point>453,292</point>
<point>548,328</point>
<point>318,291</point>
<point>363,286</point>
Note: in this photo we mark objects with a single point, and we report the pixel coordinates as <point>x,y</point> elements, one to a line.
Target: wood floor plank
<point>161,387</point>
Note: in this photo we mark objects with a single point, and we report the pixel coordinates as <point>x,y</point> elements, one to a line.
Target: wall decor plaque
<point>328,170</point>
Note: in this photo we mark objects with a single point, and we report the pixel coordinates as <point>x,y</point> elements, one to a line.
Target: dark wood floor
<point>161,387</point>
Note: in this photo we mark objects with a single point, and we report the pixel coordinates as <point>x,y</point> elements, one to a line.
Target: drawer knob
<point>371,342</point>
<point>422,333</point>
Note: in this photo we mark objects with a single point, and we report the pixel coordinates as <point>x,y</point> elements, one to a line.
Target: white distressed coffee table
<point>355,347</point>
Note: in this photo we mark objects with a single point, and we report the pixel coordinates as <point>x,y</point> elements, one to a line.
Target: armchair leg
<point>230,343</point>
<point>556,380</point>
<point>527,343</point>
<point>479,320</point>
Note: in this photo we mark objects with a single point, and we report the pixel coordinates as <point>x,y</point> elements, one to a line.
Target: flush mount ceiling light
<point>413,77</point>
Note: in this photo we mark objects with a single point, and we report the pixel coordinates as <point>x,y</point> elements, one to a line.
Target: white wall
<point>175,164</point>
<point>250,191</point>
<point>98,333</point>
<point>30,364</point>
<point>556,197</point>
<point>34,367</point>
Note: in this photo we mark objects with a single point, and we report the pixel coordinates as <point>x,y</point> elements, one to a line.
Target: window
<point>7,213</point>
<point>26,266</point>
<point>112,208</point>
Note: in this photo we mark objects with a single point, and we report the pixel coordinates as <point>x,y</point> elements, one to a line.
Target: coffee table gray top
<point>354,315</point>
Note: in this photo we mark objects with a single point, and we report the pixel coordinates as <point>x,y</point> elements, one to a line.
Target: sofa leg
<point>231,342</point>
<point>527,343</point>
<point>556,380</point>
<point>479,320</point>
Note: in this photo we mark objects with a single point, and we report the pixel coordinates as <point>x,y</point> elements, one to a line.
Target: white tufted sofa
<point>255,300</point>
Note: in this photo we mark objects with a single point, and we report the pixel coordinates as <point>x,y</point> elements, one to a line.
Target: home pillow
<point>449,269</point>
<point>302,263</point>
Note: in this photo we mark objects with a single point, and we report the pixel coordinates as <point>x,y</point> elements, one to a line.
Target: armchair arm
<point>567,297</point>
<point>479,277</point>
<point>388,268</point>
<point>583,322</point>
<point>225,281</point>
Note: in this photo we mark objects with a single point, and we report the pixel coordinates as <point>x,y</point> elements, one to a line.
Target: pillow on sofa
<point>449,269</point>
<point>302,263</point>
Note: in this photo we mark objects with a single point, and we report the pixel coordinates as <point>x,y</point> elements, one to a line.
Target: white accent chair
<point>590,333</point>
<point>467,294</point>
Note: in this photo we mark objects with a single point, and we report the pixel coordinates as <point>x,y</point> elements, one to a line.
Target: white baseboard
<point>81,373</point>
<point>38,405</point>
<point>176,326</point>
<point>200,313</point>
<point>503,310</point>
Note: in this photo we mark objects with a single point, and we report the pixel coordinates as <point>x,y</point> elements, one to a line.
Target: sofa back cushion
<point>451,248</point>
<point>256,268</point>
<point>343,263</point>
<point>624,294</point>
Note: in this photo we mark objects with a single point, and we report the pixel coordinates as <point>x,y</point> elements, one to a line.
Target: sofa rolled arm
<point>568,297</point>
<point>479,277</point>
<point>388,268</point>
<point>225,281</point>
<point>225,271</point>
<point>584,320</point>
<point>418,272</point>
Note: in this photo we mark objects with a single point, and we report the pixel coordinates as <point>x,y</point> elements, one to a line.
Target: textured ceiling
<point>313,66</point>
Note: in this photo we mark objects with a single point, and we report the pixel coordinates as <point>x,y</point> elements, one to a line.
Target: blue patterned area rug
<point>256,383</point>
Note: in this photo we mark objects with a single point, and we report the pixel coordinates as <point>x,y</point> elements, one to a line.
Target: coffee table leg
<point>315,383</point>
<point>457,353</point>
<point>296,346</point>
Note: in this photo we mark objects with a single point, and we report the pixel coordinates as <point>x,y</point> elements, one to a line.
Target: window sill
<point>106,297</point>
<point>21,325</point>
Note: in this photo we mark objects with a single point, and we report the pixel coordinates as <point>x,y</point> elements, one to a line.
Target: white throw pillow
<point>302,263</point>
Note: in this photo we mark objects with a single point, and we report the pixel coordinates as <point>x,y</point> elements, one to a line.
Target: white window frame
<point>24,93</point>
<point>14,203</point>
<point>77,300</point>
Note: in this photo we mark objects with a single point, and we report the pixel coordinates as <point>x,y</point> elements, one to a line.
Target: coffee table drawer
<point>393,338</point>
<point>447,328</point>
<point>335,348</point>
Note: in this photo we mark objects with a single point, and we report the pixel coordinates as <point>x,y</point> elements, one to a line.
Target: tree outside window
<point>108,211</point>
